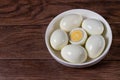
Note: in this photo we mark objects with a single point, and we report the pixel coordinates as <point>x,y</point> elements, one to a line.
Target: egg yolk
<point>76,35</point>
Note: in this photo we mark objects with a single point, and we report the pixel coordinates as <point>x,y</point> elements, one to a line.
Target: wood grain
<point>23,54</point>
<point>36,70</point>
<point>21,42</point>
<point>35,12</point>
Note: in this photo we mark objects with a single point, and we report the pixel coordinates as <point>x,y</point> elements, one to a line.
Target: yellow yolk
<point>76,35</point>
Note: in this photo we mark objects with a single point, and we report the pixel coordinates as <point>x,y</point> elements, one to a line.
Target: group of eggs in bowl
<point>76,39</point>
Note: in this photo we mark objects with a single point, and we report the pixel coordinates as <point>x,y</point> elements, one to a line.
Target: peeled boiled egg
<point>58,39</point>
<point>74,53</point>
<point>70,22</point>
<point>95,45</point>
<point>78,36</point>
<point>93,26</point>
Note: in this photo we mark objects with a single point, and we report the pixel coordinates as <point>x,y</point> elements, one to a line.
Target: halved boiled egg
<point>70,22</point>
<point>78,36</point>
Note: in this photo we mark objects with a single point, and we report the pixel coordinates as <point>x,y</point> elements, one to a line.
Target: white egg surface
<point>58,39</point>
<point>78,36</point>
<point>93,26</point>
<point>70,22</point>
<point>95,45</point>
<point>74,53</point>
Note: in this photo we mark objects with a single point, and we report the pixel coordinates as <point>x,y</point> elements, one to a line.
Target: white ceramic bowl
<point>54,24</point>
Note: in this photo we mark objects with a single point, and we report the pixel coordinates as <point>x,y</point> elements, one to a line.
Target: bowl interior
<point>54,24</point>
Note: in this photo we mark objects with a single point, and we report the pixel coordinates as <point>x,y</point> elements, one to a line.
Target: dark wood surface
<point>23,53</point>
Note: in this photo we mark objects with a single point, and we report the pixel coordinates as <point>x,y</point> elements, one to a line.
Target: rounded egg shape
<point>93,26</point>
<point>95,45</point>
<point>58,39</point>
<point>70,22</point>
<point>78,36</point>
<point>74,53</point>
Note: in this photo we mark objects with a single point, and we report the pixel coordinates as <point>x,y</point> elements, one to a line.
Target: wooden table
<point>23,53</point>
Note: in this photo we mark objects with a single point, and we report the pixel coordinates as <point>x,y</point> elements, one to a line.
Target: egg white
<point>58,39</point>
<point>95,45</point>
<point>93,26</point>
<point>74,53</point>
<point>70,22</point>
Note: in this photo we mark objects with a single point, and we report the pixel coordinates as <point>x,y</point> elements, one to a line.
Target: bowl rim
<point>78,64</point>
